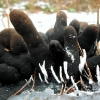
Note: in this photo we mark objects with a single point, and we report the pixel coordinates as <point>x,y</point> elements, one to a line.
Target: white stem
<point>98,46</point>
<point>69,53</point>
<point>31,78</point>
<point>61,78</point>
<point>98,74</point>
<point>54,74</point>
<point>43,70</point>
<point>40,77</point>
<point>90,81</point>
<point>82,61</point>
<point>65,69</point>
<point>97,71</point>
<point>74,84</point>
<point>28,82</point>
<point>45,78</point>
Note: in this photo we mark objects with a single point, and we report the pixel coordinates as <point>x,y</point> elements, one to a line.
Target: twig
<point>62,88</point>
<point>86,77</point>
<point>86,73</point>
<point>7,13</point>
<point>71,87</point>
<point>80,50</point>
<point>89,72</point>
<point>74,84</point>
<point>98,14</point>
<point>63,85</point>
<point>6,49</point>
<point>34,80</point>
<point>22,88</point>
<point>82,84</point>
<point>87,67</point>
<point>3,23</point>
<point>31,79</point>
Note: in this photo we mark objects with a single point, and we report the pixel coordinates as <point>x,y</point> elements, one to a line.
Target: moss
<point>1,3</point>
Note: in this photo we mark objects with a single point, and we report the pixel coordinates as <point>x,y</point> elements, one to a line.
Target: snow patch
<point>70,54</point>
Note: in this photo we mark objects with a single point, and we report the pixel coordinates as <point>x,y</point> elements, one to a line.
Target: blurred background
<point>50,6</point>
<point>83,10</point>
